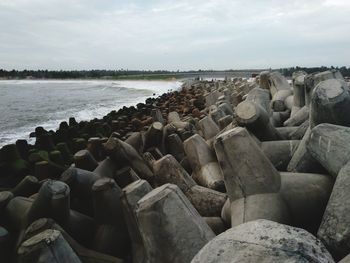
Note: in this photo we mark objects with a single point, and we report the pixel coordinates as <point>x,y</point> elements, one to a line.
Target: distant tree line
<point>289,71</point>
<point>72,74</point>
<point>96,74</point>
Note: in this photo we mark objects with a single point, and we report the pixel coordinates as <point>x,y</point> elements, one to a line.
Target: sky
<point>173,35</point>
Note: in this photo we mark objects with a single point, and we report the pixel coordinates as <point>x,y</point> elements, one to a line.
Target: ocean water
<point>26,104</point>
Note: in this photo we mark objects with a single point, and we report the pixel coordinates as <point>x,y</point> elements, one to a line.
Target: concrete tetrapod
<point>298,118</point>
<point>312,80</point>
<point>289,102</point>
<point>131,195</point>
<point>279,152</point>
<point>112,236</point>
<point>334,230</point>
<point>216,224</point>
<point>125,176</point>
<point>167,220</point>
<point>302,161</point>
<point>84,254</point>
<point>106,168</point>
<point>83,159</point>
<point>47,246</point>
<point>306,195</point>
<point>80,182</point>
<point>329,145</point>
<point>286,132</point>
<point>208,127</point>
<point>278,118</point>
<point>278,100</point>
<point>263,241</point>
<point>206,170</point>
<point>299,89</point>
<point>299,133</point>
<point>260,97</point>
<point>255,119</point>
<point>53,200</point>
<point>251,180</point>
<point>330,103</point>
<point>174,146</point>
<point>15,211</point>
<point>208,202</point>
<point>28,186</point>
<point>255,175</point>
<point>277,82</point>
<point>264,79</point>
<point>124,154</point>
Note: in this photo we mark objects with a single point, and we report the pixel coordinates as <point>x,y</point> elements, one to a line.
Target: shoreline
<point>118,104</point>
<point>200,173</point>
<point>88,79</point>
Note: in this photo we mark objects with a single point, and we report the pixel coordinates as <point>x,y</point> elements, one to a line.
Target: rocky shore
<point>220,171</point>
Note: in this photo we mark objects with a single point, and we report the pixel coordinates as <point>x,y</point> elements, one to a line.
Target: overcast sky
<point>162,34</point>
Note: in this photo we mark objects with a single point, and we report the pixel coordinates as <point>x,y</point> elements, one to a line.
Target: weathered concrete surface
<point>47,246</point>
<point>245,168</point>
<point>329,145</point>
<point>306,196</point>
<point>279,152</point>
<point>302,161</point>
<point>226,213</point>
<point>278,100</point>
<point>299,88</point>
<point>298,118</point>
<point>345,260</point>
<point>206,170</point>
<point>167,220</point>
<point>299,133</point>
<point>260,97</point>
<point>263,241</point>
<point>216,224</point>
<point>131,195</point>
<point>84,254</point>
<point>208,127</point>
<point>108,213</point>
<point>208,202</point>
<point>124,154</point>
<point>277,82</point>
<point>330,103</point>
<point>334,230</point>
<point>53,201</point>
<point>256,119</point>
<point>270,206</point>
<point>311,81</point>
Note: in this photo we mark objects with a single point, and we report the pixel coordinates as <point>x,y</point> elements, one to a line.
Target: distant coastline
<point>153,75</point>
<point>123,75</point>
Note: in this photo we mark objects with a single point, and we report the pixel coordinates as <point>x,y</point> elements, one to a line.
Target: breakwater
<point>219,171</point>
<point>26,104</point>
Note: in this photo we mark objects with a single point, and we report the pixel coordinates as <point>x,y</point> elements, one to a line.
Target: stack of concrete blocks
<point>263,164</point>
<point>309,151</point>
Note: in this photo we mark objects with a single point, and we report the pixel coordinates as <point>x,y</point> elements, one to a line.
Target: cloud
<point>155,34</point>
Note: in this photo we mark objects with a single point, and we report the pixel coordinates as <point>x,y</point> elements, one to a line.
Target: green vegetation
<point>122,74</point>
<point>85,74</point>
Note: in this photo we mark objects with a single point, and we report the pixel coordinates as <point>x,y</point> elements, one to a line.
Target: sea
<point>26,104</point>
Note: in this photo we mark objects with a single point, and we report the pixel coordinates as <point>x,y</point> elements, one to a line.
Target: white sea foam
<point>27,104</point>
